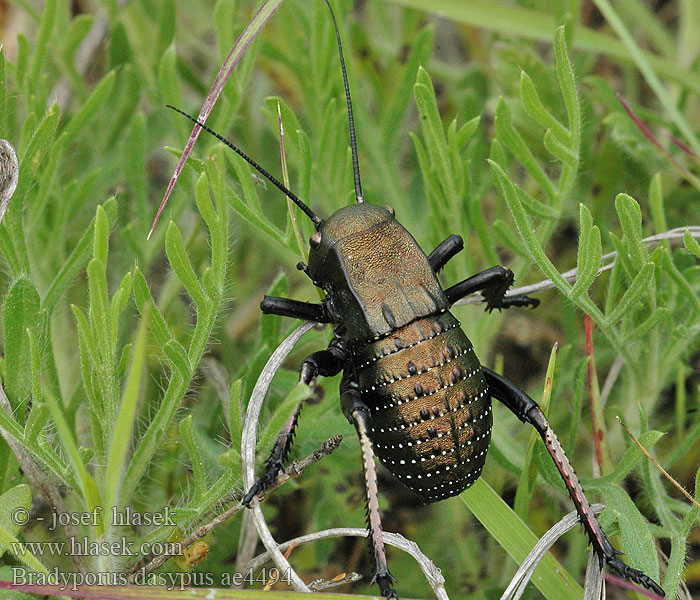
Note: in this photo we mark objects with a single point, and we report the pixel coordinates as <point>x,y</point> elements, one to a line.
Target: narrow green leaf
<point>41,45</point>
<point>509,238</point>
<point>18,497</point>
<point>468,131</point>
<point>535,207</point>
<point>101,239</point>
<point>634,294</point>
<point>681,282</point>
<point>637,541</point>
<point>235,413</point>
<point>89,108</point>
<point>118,304</point>
<point>630,215</point>
<point>641,331</point>
<point>166,25</point>
<point>514,536</point>
<point>567,84</point>
<point>522,222</point>
<point>195,457</point>
<point>559,150</point>
<point>656,204</point>
<point>20,313</point>
<point>120,52</point>
<point>624,467</point>
<point>88,487</point>
<point>177,356</point>
<point>511,139</point>
<point>589,253</point>
<point>534,107</point>
<point>691,244</point>
<point>169,82</point>
<point>126,417</point>
<point>23,554</point>
<point>180,262</point>
<point>143,297</point>
<point>256,219</point>
<point>99,308</point>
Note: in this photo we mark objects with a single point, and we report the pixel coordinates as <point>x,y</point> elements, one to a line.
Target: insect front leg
<point>275,462</point>
<point>295,309</point>
<point>493,283</point>
<point>445,251</point>
<point>358,414</point>
<point>527,410</point>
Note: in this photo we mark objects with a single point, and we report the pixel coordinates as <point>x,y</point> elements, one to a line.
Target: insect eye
<point>315,240</point>
<point>390,209</point>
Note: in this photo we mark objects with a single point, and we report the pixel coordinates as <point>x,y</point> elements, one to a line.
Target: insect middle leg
<point>359,415</point>
<point>445,251</point>
<point>493,284</point>
<point>527,410</point>
<point>275,462</point>
<point>327,362</point>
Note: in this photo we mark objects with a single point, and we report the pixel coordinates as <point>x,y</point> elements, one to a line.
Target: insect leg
<point>327,362</point>
<point>358,414</point>
<point>295,309</point>
<point>445,251</point>
<point>493,284</point>
<point>275,462</point>
<point>527,410</point>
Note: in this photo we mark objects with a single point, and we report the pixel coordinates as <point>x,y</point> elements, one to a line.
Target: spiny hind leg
<point>493,284</point>
<point>527,410</point>
<point>358,414</point>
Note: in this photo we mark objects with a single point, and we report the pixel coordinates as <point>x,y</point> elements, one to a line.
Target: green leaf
<point>691,244</point>
<point>77,258</point>
<point>120,52</point>
<point>514,536</point>
<point>195,457</point>
<point>41,45</point>
<point>14,499</point>
<point>126,417</point>
<point>180,262</point>
<point>567,84</point>
<point>637,541</point>
<point>589,253</point>
<point>634,294</point>
<point>559,150</point>
<point>90,108</point>
<point>534,107</point>
<point>20,314</point>
<point>511,139</point>
<point>166,25</point>
<point>630,216</point>
<point>235,413</point>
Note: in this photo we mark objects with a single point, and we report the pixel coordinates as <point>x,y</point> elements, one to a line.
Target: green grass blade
<point>550,577</point>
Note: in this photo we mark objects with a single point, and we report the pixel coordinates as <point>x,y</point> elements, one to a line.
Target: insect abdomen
<point>430,408</point>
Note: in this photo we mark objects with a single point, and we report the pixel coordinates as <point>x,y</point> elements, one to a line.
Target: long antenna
<point>291,195</point>
<point>353,144</point>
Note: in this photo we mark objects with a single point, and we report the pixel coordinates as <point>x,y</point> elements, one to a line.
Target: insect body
<point>411,386</point>
<point>405,354</point>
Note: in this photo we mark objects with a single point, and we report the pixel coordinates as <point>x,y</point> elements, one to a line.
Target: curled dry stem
<point>431,572</point>
<point>295,469</point>
<point>594,575</point>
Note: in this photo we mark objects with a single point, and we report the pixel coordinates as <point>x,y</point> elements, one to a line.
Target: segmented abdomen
<point>430,409</point>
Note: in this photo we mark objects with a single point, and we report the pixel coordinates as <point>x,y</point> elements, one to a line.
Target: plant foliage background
<point>127,363</point>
